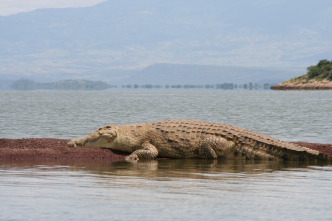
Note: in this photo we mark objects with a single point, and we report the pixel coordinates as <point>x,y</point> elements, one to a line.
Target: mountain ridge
<point>165,73</point>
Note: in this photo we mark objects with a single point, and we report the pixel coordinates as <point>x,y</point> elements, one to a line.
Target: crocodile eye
<point>109,133</point>
<point>112,133</point>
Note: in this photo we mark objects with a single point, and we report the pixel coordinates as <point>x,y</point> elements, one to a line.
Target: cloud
<point>146,12</point>
<point>9,7</point>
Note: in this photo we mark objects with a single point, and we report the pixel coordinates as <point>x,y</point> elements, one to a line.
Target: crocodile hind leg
<point>214,147</point>
<point>206,151</point>
<point>149,152</point>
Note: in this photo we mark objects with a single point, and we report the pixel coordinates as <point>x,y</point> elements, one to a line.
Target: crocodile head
<point>103,137</point>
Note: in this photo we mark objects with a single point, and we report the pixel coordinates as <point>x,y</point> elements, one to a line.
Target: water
<point>165,189</point>
<point>292,116</point>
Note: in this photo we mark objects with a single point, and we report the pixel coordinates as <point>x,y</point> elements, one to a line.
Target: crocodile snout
<point>101,138</point>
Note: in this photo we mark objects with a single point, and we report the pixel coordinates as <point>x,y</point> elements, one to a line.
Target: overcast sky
<point>8,7</point>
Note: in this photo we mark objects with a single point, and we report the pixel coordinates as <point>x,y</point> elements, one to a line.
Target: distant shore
<point>26,84</point>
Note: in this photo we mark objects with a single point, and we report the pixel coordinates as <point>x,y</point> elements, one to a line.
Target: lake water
<point>165,189</point>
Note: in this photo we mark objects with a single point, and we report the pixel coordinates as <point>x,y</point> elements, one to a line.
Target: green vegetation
<point>321,71</point>
<point>25,84</point>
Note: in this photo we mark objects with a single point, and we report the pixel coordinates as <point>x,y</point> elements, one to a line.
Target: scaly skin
<point>192,139</point>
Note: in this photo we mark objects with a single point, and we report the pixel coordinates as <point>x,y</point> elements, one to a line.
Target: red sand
<point>323,148</point>
<point>48,148</point>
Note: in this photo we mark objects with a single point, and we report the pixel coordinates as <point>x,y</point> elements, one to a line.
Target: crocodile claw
<point>72,143</point>
<point>132,158</point>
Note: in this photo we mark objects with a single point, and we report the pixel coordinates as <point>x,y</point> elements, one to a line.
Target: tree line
<point>224,86</point>
<point>26,84</point>
<point>321,71</point>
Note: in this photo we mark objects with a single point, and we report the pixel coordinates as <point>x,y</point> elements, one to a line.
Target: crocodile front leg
<point>149,152</point>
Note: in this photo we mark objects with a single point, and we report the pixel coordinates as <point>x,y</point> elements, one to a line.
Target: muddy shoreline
<point>301,86</point>
<point>50,148</point>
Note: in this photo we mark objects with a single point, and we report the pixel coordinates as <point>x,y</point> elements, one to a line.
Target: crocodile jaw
<point>103,137</point>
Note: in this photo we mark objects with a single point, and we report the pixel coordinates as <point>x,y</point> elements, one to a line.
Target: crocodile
<point>192,139</point>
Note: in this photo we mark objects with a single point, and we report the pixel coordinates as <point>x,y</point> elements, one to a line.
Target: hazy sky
<point>8,7</point>
<point>130,34</point>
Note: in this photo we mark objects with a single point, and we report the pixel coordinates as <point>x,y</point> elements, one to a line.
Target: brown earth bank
<point>50,148</point>
<point>311,85</point>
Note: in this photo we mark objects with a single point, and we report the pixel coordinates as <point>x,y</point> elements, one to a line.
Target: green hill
<point>320,72</point>
<point>318,77</point>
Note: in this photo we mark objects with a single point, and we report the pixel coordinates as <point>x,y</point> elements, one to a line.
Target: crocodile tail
<point>257,146</point>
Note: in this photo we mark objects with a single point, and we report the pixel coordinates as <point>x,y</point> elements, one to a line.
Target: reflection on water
<point>188,168</point>
<point>172,168</point>
<point>165,189</point>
